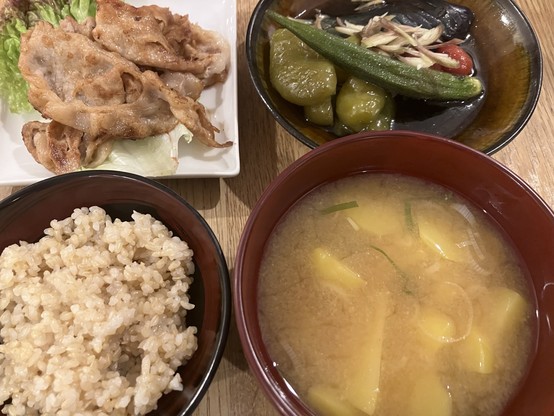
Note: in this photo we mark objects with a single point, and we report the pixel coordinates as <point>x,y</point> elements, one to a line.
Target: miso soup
<point>386,295</point>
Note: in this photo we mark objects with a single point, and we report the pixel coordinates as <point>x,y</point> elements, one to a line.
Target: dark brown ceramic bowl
<point>508,61</point>
<point>25,214</point>
<point>519,212</point>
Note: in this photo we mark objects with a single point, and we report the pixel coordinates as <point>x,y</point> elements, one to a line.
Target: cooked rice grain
<point>92,317</point>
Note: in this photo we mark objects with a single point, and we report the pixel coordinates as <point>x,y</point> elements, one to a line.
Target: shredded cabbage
<point>153,156</point>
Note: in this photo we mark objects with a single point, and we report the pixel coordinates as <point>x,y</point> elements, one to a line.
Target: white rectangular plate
<point>17,166</point>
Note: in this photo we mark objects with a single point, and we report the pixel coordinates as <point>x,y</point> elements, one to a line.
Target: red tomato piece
<point>460,55</point>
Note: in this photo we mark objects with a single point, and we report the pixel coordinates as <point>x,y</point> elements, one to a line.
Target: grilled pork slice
<point>53,145</point>
<point>151,36</point>
<point>63,149</point>
<point>77,83</point>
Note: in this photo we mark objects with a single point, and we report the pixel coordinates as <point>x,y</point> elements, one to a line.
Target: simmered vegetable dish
<point>346,75</point>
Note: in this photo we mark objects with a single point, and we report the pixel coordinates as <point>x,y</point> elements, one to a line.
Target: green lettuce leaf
<point>20,17</point>
<point>81,9</point>
<point>13,88</point>
<point>51,11</point>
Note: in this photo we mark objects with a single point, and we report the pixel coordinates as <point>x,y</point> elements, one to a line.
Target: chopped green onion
<point>339,207</point>
<point>398,269</point>
<point>408,216</point>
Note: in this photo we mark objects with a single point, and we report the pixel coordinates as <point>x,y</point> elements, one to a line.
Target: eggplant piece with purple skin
<point>456,20</point>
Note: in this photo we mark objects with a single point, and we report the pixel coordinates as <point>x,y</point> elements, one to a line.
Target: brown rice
<point>92,317</point>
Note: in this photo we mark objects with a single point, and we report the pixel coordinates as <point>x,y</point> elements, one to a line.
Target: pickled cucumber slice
<point>359,104</point>
<point>321,113</point>
<point>298,73</point>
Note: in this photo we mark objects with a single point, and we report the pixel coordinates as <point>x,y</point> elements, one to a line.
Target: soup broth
<point>386,295</point>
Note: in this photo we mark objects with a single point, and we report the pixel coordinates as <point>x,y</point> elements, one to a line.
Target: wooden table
<point>266,149</point>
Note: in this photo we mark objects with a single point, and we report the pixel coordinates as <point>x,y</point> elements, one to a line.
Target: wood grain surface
<point>266,149</point>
